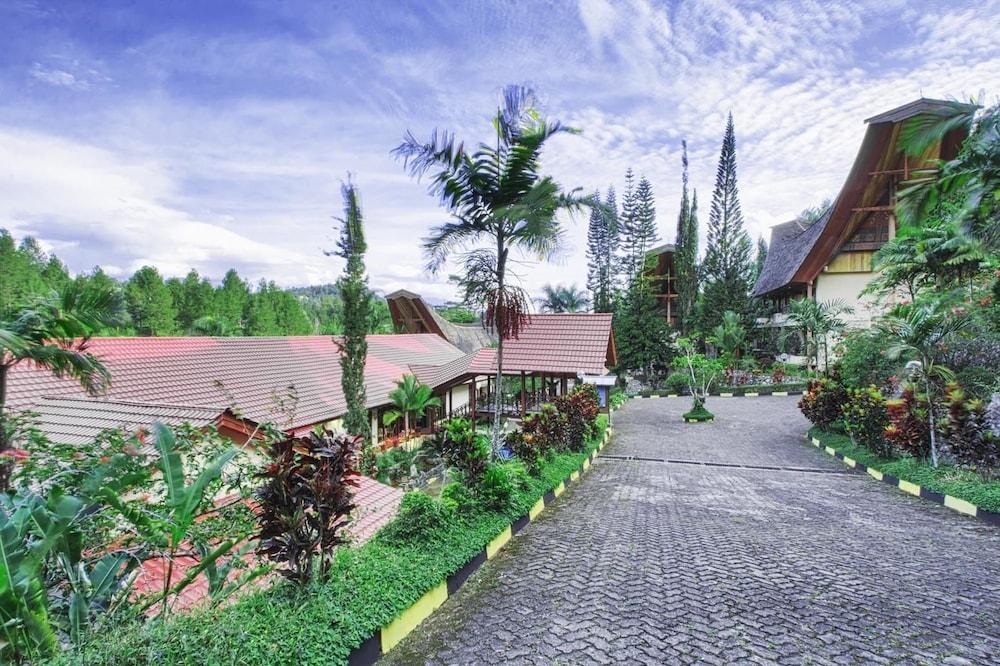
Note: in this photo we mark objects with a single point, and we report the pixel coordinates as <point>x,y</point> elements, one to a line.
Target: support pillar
<point>472,399</point>
<point>524,401</point>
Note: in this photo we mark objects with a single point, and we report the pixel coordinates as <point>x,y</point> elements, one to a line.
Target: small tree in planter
<point>703,373</point>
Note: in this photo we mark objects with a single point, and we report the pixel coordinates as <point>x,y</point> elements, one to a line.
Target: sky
<point>211,135</point>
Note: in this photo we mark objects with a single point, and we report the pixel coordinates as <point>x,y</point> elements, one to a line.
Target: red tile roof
<point>570,343</point>
<point>292,381</point>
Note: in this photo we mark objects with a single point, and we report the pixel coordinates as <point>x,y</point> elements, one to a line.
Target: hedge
<point>369,586</point>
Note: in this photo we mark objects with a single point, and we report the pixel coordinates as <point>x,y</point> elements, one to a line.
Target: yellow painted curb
<point>960,505</point>
<point>874,473</point>
<point>908,487</point>
<point>815,442</point>
<point>397,630</point>
<point>671,395</point>
<point>829,450</point>
<point>536,509</point>
<point>725,395</point>
<point>493,547</point>
<point>654,396</point>
<point>573,476</point>
<point>751,394</point>
<point>558,490</point>
<point>780,393</point>
<point>586,464</point>
<point>850,462</point>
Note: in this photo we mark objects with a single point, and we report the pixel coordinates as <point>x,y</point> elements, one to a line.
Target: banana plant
<point>185,502</point>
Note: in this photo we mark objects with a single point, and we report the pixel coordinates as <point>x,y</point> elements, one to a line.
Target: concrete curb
<point>389,635</point>
<point>953,503</point>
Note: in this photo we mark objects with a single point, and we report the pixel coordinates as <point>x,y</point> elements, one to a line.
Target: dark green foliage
<point>393,466</point>
<point>232,299</point>
<point>602,247</point>
<point>642,336</point>
<point>637,227</point>
<point>458,314</point>
<point>524,449</point>
<point>150,303</point>
<point>420,517</point>
<point>686,253</point>
<point>727,269</point>
<point>465,451</point>
<point>579,409</point>
<point>306,502</point>
<point>192,297</point>
<point>823,401</point>
<point>865,419</point>
<point>501,482</point>
<point>353,288</point>
<point>863,361</point>
<point>908,429</point>
<point>698,411</point>
<point>676,383</point>
<point>967,434</point>
<point>545,430</point>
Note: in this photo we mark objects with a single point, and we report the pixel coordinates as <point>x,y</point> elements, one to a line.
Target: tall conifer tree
<point>728,266</point>
<point>353,288</point>
<point>638,226</point>
<point>596,244</point>
<point>686,251</point>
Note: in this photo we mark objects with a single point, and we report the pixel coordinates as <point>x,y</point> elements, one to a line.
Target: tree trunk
<point>930,418</point>
<point>6,465</point>
<point>500,326</point>
<point>406,425</point>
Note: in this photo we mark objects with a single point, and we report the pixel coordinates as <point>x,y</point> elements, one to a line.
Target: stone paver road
<point>651,562</point>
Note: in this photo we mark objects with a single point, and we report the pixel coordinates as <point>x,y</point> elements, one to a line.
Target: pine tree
<point>642,336</point>
<point>193,298</point>
<point>627,229</point>
<point>596,245</point>
<point>353,288</point>
<point>686,251</point>
<point>261,316</point>
<point>150,303</point>
<point>611,267</point>
<point>728,266</point>
<point>759,259</point>
<point>231,301</point>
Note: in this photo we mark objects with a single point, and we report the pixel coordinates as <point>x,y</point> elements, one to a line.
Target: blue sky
<point>209,134</point>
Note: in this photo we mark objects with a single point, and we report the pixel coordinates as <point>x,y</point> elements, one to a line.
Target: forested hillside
<point>148,304</point>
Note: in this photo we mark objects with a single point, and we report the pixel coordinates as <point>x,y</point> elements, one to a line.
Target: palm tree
<point>919,331</point>
<point>730,336</point>
<point>409,396</point>
<point>972,179</point>
<point>53,332</point>
<point>563,299</point>
<point>815,322</point>
<point>498,201</point>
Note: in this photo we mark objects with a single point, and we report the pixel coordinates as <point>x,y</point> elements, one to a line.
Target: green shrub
<point>579,409</point>
<point>823,401</point>
<point>863,361</point>
<point>464,451</point>
<point>455,496</point>
<point>676,382</point>
<point>545,430</point>
<point>908,429</point>
<point>419,517</point>
<point>394,466</point>
<point>499,483</point>
<point>524,449</point>
<point>865,419</point>
<point>968,436</point>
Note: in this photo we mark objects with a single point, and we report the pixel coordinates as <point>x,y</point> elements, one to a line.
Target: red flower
<point>15,454</point>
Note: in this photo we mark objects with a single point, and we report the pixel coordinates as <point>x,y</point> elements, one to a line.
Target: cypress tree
<point>353,288</point>
<point>686,251</point>
<point>728,266</point>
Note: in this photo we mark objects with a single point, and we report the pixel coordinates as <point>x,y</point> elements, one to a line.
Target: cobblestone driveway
<point>661,563</point>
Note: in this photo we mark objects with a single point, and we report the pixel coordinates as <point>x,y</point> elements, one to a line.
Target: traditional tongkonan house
<point>831,258</point>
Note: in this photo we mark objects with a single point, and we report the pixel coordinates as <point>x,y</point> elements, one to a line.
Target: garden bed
<point>369,588</point>
<point>964,485</point>
<point>749,390</point>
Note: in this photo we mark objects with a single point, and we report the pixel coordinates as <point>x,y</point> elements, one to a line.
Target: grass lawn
<point>961,483</point>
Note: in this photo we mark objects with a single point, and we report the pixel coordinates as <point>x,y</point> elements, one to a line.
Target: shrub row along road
<point>685,562</point>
